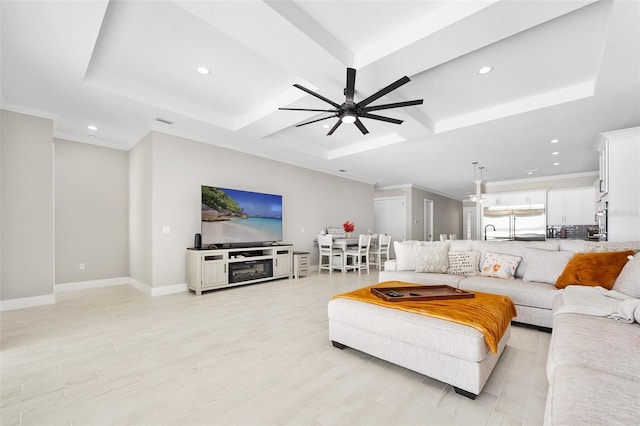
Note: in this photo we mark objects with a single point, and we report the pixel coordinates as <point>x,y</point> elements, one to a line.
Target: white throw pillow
<point>463,262</point>
<point>432,258</point>
<point>545,266</point>
<point>405,256</point>
<point>628,282</point>
<point>498,265</point>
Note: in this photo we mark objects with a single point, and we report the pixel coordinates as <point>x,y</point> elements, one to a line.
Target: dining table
<point>345,243</point>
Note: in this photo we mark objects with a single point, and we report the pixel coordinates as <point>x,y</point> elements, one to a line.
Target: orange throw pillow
<point>594,269</point>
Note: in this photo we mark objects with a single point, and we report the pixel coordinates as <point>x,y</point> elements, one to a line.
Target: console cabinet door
<point>282,265</point>
<point>214,274</point>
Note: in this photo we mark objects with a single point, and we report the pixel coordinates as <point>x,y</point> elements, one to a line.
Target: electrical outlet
<point>81,267</point>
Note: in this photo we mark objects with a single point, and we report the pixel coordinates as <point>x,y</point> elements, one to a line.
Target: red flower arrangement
<point>348,226</point>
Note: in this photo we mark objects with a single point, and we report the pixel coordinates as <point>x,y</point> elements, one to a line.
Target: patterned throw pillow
<point>463,262</point>
<point>432,258</point>
<point>498,265</point>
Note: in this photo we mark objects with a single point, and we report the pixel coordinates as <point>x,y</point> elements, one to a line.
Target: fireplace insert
<point>250,270</point>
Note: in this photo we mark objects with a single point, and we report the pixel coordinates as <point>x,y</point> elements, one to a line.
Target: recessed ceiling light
<point>326,126</point>
<point>554,141</point>
<point>555,153</point>
<point>92,127</point>
<point>529,173</point>
<point>485,70</point>
<point>203,70</point>
<point>556,164</point>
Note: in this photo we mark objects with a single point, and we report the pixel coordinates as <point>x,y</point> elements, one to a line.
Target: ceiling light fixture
<point>555,153</point>
<point>554,141</point>
<point>92,127</point>
<point>203,70</point>
<point>477,197</point>
<point>348,118</point>
<point>556,164</point>
<point>485,70</point>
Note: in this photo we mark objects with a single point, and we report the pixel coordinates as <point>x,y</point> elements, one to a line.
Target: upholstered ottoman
<point>451,352</point>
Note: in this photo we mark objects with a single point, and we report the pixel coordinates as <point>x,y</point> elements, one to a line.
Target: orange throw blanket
<point>490,314</point>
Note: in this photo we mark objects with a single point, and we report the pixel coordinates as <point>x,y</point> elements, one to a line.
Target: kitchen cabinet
<point>620,170</point>
<point>572,206</point>
<point>517,199</point>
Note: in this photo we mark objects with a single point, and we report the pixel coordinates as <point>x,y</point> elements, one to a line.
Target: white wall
<point>311,200</point>
<point>91,211</point>
<point>27,208</point>
<point>447,212</point>
<point>140,211</point>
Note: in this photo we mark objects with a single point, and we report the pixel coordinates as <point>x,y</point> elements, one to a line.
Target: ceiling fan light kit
<point>351,111</point>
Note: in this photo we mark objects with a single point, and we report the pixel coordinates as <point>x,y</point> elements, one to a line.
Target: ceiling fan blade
<point>351,84</point>
<point>333,129</point>
<point>312,93</point>
<point>393,105</point>
<point>380,93</point>
<point>381,118</point>
<point>313,121</point>
<point>306,109</point>
<point>360,126</point>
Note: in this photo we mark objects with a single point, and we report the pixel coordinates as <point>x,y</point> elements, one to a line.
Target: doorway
<point>389,217</point>
<point>428,220</point>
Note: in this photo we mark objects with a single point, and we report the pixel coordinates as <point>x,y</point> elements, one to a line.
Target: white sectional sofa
<point>532,290</point>
<point>593,364</point>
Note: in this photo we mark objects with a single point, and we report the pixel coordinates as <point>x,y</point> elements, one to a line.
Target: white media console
<point>209,269</point>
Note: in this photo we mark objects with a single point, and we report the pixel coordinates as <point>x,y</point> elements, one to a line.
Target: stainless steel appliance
<point>602,219</point>
<point>515,224</point>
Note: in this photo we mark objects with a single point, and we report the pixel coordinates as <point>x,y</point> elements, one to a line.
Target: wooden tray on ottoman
<point>423,292</point>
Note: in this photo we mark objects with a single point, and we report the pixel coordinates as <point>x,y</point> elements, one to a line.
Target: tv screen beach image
<point>234,216</point>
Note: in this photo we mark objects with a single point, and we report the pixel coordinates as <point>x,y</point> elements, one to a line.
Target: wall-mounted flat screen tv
<point>236,217</point>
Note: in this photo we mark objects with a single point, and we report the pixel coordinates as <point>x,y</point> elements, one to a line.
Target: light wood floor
<point>252,355</point>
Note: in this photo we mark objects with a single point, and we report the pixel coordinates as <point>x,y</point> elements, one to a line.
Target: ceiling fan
<point>351,111</point>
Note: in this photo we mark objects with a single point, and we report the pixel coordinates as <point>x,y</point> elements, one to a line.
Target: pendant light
<point>477,197</point>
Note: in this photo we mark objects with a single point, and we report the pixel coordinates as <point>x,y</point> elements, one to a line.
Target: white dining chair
<point>326,250</point>
<point>380,253</point>
<point>359,255</point>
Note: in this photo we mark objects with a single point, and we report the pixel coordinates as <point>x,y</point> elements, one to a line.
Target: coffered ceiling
<point>564,70</point>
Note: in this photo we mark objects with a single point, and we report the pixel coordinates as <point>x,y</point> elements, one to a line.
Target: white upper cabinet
<point>515,200</point>
<point>574,206</point>
<point>620,171</point>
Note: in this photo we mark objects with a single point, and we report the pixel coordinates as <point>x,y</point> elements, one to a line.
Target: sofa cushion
<point>545,266</point>
<point>596,343</point>
<point>594,269</point>
<point>580,396</point>
<point>523,293</point>
<point>432,258</point>
<point>405,255</point>
<point>463,262</point>
<point>500,265</point>
<point>628,282</point>
<point>514,248</point>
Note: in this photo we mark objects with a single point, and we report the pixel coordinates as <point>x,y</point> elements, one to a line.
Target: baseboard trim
<point>82,285</point>
<point>139,285</point>
<point>27,302</point>
<point>158,291</point>
<point>49,299</point>
<point>169,289</point>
